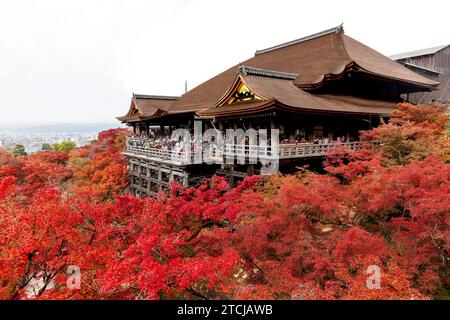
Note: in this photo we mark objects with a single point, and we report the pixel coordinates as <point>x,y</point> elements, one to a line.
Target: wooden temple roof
<point>144,107</point>
<point>282,94</point>
<point>287,75</point>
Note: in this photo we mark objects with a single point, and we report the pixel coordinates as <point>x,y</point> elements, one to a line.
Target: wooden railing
<point>285,151</point>
<point>248,151</point>
<point>421,65</point>
<point>133,146</point>
<point>304,150</point>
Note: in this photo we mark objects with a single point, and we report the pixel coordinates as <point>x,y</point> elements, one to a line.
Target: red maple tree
<point>302,236</point>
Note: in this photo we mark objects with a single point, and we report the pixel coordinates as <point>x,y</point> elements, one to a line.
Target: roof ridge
<point>154,97</point>
<point>267,73</point>
<point>337,29</point>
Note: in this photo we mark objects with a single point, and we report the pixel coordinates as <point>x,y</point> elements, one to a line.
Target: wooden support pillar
<point>159,178</point>
<point>272,124</point>
<point>149,182</point>
<point>140,178</point>
<point>347,134</point>
<point>231,176</point>
<point>331,133</point>
<point>131,167</point>
<point>185,178</point>
<point>250,170</point>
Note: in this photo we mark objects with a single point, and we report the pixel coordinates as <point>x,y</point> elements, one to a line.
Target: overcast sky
<point>80,60</point>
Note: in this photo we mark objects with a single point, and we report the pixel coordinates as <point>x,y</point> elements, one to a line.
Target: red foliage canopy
<point>304,236</point>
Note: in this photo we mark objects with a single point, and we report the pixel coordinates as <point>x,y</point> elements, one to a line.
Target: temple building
<point>433,63</point>
<point>315,92</point>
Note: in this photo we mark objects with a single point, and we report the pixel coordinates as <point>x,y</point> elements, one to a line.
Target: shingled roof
<point>144,107</point>
<point>315,60</point>
<point>283,94</point>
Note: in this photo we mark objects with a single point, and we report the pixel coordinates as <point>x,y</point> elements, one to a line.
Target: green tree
<point>46,147</point>
<point>18,150</point>
<point>64,146</point>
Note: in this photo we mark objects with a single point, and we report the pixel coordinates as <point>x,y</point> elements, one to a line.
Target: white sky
<point>80,60</point>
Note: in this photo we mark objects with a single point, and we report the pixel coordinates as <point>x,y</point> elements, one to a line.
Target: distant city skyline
<point>65,62</point>
<point>63,127</point>
<point>34,142</point>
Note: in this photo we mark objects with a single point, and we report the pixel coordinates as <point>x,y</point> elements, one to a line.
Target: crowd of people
<point>316,140</point>
<point>164,143</point>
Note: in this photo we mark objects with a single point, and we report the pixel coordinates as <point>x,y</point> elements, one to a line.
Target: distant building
<point>433,63</point>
